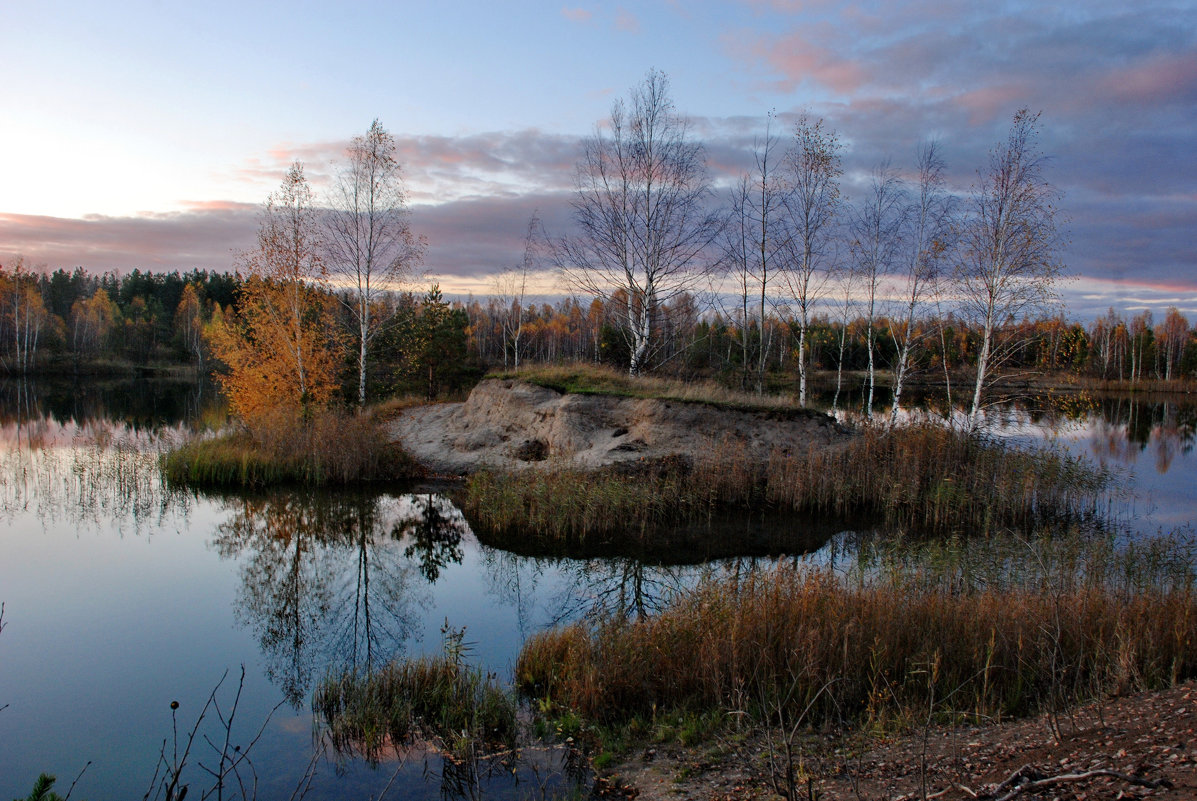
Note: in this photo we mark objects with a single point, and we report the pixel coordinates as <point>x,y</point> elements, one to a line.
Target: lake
<point>122,596</point>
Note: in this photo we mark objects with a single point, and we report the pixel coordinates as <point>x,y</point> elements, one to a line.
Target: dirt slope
<point>510,424</point>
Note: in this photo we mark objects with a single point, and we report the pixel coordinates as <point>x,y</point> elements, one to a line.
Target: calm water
<point>121,596</point>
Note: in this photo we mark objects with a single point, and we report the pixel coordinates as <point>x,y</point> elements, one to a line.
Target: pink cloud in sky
<point>626,21</point>
<point>1162,79</point>
<point>205,238</point>
<point>576,14</point>
<point>797,58</point>
<point>991,102</point>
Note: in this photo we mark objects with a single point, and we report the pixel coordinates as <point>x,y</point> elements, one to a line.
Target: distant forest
<point>75,321</point>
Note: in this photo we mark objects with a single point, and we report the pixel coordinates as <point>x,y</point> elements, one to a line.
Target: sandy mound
<point>509,424</point>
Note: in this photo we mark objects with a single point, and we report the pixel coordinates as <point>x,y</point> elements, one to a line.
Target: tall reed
<point>881,646</point>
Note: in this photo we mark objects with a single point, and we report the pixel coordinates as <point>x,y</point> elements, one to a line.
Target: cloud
<point>1160,79</point>
<point>439,169</point>
<point>471,241</point>
<point>1089,298</point>
<point>796,59</point>
<point>580,15</point>
<point>208,237</point>
<point>626,21</point>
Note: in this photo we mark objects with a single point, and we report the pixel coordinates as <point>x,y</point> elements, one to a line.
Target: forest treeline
<point>64,320</point>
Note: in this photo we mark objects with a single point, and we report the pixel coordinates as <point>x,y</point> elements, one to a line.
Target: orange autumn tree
<point>282,348</point>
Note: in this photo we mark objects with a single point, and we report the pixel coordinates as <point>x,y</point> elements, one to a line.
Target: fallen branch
<point>1027,780</point>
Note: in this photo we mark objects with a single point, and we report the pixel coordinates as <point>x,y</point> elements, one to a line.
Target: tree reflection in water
<point>1124,427</point>
<point>620,587</point>
<point>327,581</point>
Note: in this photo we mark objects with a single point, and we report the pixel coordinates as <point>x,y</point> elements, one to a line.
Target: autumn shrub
<point>884,645</point>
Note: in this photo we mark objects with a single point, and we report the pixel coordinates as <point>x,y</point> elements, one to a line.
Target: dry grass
<point>919,477</point>
<point>584,378</point>
<point>883,647</point>
<point>333,447</point>
<point>440,699</point>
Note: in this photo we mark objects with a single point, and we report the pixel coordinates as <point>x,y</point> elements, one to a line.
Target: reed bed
<point>333,447</point>
<point>880,647</point>
<point>436,699</point>
<point>921,476</point>
<point>89,481</point>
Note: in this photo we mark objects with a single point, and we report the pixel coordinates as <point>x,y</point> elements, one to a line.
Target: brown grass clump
<point>883,650</point>
<point>435,698</point>
<point>332,447</point>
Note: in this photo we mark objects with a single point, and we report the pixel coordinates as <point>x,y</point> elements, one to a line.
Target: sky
<point>147,133</point>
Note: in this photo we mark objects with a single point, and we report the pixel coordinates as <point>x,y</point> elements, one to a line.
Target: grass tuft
<point>432,698</point>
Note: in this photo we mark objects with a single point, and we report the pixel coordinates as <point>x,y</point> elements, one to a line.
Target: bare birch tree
<point>927,242</point>
<point>641,210</point>
<point>1009,247</point>
<point>755,238</point>
<point>814,174</point>
<point>844,307</point>
<point>738,260</point>
<point>371,249</point>
<point>876,243</point>
<point>23,315</point>
<point>511,289</point>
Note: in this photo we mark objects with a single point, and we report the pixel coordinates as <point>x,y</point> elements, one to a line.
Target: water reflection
<point>1127,427</point>
<point>88,454</point>
<point>144,405</point>
<point>336,581</point>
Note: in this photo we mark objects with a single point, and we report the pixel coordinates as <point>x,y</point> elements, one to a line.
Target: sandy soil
<point>1151,737</point>
<point>513,425</point>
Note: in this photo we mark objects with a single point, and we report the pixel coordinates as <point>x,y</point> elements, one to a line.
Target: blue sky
<point>146,134</point>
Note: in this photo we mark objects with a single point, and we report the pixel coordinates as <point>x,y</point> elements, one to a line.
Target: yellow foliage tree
<point>282,349</point>
<point>92,319</point>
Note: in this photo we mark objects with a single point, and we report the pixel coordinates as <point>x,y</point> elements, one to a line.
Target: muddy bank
<point>512,425</point>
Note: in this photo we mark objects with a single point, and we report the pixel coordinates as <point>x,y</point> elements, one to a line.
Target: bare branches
<point>927,244</point>
<point>814,173</point>
<point>1029,780</point>
<point>233,766</point>
<point>1009,246</point>
<point>644,228</point>
<point>511,289</point>
<point>369,244</point>
<point>755,239</point>
<point>876,231</point>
